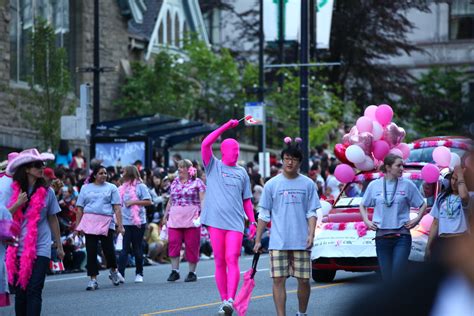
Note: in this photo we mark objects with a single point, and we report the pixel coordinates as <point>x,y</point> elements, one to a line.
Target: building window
<point>161,33</point>
<point>461,20</point>
<point>177,41</point>
<point>169,26</point>
<point>23,13</point>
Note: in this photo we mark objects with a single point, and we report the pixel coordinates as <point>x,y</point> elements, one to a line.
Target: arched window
<point>160,34</point>
<point>185,30</point>
<point>177,40</point>
<point>169,34</point>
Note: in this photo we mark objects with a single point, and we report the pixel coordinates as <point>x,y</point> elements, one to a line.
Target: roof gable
<point>163,23</point>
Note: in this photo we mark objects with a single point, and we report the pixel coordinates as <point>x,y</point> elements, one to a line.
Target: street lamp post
<point>304,103</point>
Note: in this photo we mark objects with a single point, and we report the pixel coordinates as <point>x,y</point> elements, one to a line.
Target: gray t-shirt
<point>288,203</point>
<point>452,215</point>
<point>227,187</point>
<point>43,243</point>
<point>5,190</point>
<point>99,199</point>
<point>396,215</point>
<point>142,194</point>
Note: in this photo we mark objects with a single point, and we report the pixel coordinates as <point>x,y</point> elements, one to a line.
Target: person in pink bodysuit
<point>226,242</point>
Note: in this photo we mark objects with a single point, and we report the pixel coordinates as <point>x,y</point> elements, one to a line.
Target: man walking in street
<point>289,201</point>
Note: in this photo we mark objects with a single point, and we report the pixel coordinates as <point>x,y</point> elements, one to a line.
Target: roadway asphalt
<point>66,295</point>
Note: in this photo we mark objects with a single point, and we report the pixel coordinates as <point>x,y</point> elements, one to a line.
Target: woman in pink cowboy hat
<point>33,207</point>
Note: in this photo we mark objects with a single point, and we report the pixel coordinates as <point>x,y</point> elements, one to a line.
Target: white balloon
<point>355,154</point>
<point>455,161</point>
<point>326,207</point>
<point>377,130</point>
<point>367,165</point>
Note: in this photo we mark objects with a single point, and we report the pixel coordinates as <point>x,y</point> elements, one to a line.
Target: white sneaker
<point>228,307</point>
<point>120,277</point>
<point>221,310</point>
<point>92,285</point>
<point>138,278</point>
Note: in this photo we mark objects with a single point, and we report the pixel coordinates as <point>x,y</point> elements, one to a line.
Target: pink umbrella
<point>241,303</point>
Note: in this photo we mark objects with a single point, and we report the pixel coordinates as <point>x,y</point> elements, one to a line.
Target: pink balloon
<point>380,149</point>
<point>430,173</point>
<point>393,134</point>
<point>364,124</point>
<point>405,149</point>
<point>344,173</point>
<point>364,141</point>
<point>367,165</point>
<point>377,130</point>
<point>442,156</point>
<point>396,152</point>
<point>370,112</point>
<point>384,114</point>
<point>425,224</point>
<point>346,139</point>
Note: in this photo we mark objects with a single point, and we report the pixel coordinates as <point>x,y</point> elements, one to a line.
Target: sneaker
<point>228,307</point>
<point>221,310</point>
<point>192,277</point>
<point>139,278</point>
<point>120,277</point>
<point>92,286</point>
<point>174,275</point>
<point>114,277</point>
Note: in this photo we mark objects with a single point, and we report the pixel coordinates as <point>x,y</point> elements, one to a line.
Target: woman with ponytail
<point>134,196</point>
<point>33,207</point>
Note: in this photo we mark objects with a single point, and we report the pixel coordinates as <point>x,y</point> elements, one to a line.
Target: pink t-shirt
<point>183,194</point>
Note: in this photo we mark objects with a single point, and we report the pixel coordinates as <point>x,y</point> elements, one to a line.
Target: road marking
<point>65,279</point>
<point>188,308</point>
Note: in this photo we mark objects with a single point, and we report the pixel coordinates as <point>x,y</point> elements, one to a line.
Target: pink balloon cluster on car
<point>372,138</point>
<point>443,158</point>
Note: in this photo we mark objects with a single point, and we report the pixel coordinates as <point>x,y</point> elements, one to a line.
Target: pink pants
<point>226,245</point>
<point>190,236</point>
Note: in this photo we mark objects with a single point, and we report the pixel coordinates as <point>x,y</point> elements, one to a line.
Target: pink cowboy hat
<point>4,164</point>
<point>26,156</point>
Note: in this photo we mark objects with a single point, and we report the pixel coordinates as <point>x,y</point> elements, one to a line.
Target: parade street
<point>66,294</point>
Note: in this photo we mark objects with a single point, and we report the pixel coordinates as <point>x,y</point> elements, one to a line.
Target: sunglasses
<point>37,164</point>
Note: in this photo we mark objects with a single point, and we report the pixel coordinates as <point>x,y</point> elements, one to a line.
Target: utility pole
<point>312,29</point>
<point>96,106</point>
<point>281,38</point>
<point>261,84</point>
<point>96,69</point>
<point>304,102</point>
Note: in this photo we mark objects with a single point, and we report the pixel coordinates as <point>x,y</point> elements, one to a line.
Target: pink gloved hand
<point>252,231</point>
<point>232,123</point>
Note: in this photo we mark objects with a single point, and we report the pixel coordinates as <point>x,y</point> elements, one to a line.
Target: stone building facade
<point>74,25</point>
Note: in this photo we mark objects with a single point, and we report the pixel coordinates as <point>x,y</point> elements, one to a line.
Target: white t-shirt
<point>397,214</point>
<point>333,184</point>
<point>288,203</point>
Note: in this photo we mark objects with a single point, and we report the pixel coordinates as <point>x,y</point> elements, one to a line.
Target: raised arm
<point>206,145</point>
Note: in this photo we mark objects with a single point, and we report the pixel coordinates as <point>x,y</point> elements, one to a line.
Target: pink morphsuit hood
<point>230,151</point>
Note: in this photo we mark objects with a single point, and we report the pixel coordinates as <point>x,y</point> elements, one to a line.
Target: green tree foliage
<point>201,85</point>
<point>441,107</point>
<point>49,84</point>
<point>363,35</point>
<point>327,111</point>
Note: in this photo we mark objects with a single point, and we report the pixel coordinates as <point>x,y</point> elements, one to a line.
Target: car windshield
<point>426,154</point>
<point>351,195</point>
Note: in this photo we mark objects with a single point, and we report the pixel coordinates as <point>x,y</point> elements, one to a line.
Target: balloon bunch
<point>369,141</point>
<point>443,158</point>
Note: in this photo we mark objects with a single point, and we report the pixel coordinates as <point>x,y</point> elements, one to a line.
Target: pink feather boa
<point>131,188</point>
<point>33,215</point>
<point>360,227</point>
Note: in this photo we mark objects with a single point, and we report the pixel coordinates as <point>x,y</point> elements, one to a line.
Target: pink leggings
<point>226,245</point>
